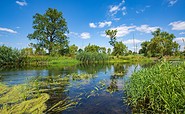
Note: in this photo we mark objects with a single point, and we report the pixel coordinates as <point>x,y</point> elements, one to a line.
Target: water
<point>100,94</point>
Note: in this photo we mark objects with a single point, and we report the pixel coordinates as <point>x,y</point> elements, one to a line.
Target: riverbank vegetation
<point>159,89</point>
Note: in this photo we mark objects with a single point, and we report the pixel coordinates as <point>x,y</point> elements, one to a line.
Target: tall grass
<point>89,57</point>
<point>159,89</point>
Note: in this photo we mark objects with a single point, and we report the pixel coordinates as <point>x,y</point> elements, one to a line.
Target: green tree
<point>108,51</point>
<point>73,50</point>
<point>102,50</point>
<point>161,44</point>
<point>119,49</point>
<point>144,49</point>
<point>27,51</point>
<point>49,30</point>
<point>92,48</point>
<point>112,35</point>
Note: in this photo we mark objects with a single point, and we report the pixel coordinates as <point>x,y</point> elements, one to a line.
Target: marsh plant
<point>92,57</point>
<point>159,89</point>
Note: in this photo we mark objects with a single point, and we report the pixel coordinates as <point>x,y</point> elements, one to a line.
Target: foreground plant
<point>160,89</point>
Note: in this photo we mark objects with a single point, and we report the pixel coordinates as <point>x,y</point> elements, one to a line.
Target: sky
<point>87,20</point>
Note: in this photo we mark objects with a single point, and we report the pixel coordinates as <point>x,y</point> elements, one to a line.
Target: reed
<point>159,89</point>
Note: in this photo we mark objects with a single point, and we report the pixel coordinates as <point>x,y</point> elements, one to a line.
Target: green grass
<point>159,89</point>
<point>129,59</point>
<point>53,61</point>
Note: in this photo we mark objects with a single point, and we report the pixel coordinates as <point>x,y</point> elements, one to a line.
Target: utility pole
<point>134,42</point>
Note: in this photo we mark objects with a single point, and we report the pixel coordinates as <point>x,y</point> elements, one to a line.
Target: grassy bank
<point>129,59</point>
<point>50,60</point>
<point>159,89</point>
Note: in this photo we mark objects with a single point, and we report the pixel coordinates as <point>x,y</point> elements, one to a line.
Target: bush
<point>10,56</point>
<point>160,89</point>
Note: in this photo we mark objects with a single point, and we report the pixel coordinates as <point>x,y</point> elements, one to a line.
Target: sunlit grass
<point>159,89</point>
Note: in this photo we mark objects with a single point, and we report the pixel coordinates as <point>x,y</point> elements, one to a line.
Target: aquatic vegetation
<point>158,89</point>
<point>82,76</point>
<point>33,96</point>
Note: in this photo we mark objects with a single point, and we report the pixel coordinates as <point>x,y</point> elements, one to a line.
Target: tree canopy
<point>112,35</point>
<point>160,45</point>
<point>50,31</point>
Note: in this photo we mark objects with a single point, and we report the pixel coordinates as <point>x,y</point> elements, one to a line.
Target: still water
<point>101,93</point>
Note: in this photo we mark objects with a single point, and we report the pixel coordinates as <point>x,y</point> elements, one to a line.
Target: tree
<point>161,44</point>
<point>144,49</point>
<point>27,51</point>
<point>102,50</point>
<point>92,48</point>
<point>73,50</point>
<point>50,29</point>
<point>108,51</point>
<point>112,35</point>
<point>119,49</point>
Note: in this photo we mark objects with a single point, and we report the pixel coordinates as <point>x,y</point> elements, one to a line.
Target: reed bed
<point>159,89</point>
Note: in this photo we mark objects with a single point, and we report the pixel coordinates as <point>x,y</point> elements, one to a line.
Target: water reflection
<point>96,87</point>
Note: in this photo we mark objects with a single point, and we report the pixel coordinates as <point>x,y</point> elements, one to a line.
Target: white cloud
<point>181,33</point>
<point>131,41</point>
<point>8,30</point>
<point>18,27</point>
<point>103,24</point>
<point>73,34</point>
<point>92,25</point>
<point>22,3</point>
<point>114,9</point>
<point>178,25</point>
<point>85,35</point>
<point>180,39</point>
<point>172,2</point>
<point>146,28</point>
<point>100,24</point>
<point>123,30</point>
<point>181,42</point>
<point>142,10</point>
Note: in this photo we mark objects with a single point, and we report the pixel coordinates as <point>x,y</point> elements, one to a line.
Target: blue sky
<point>88,19</point>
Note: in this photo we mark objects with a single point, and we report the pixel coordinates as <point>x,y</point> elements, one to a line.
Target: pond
<point>98,91</point>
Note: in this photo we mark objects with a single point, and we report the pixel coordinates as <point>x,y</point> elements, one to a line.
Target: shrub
<point>10,56</point>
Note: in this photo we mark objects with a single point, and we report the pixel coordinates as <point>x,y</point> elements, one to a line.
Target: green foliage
<point>92,48</point>
<point>161,44</point>
<point>73,50</point>
<point>130,59</point>
<point>10,56</point>
<point>89,57</point>
<point>50,29</point>
<point>119,49</point>
<point>112,35</point>
<point>27,51</point>
<point>159,89</point>
<point>51,60</point>
<point>108,51</point>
